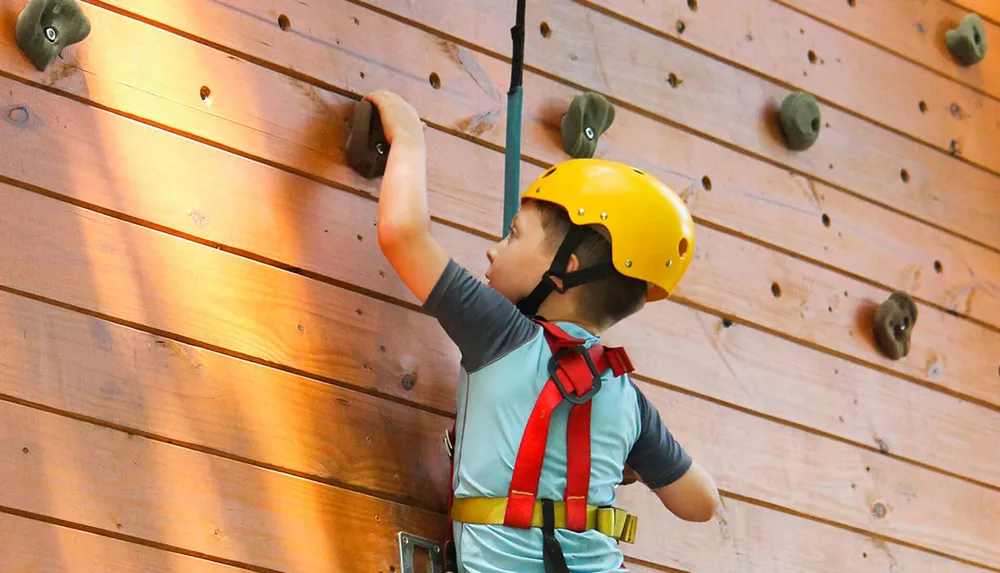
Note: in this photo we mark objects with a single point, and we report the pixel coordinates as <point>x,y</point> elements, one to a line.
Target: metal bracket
<point>409,542</point>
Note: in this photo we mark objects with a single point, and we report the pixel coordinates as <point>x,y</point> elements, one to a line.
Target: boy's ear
<point>573,264</point>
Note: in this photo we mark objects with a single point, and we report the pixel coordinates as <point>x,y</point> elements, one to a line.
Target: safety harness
<point>575,376</point>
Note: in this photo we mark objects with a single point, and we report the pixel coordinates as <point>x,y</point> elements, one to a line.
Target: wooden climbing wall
<point>207,366</point>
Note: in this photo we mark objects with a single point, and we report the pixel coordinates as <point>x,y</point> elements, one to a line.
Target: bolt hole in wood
<point>706,182</point>
<point>545,30</point>
<point>923,106</point>
<point>206,95</point>
<point>284,23</point>
<point>938,267</point>
<point>850,3</point>
<point>826,220</point>
<point>904,175</point>
<point>693,5</point>
<point>812,57</point>
<point>673,80</point>
<point>776,290</point>
<point>435,81</point>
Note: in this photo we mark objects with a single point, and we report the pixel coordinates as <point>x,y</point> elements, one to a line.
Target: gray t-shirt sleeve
<point>656,456</point>
<point>483,324</point>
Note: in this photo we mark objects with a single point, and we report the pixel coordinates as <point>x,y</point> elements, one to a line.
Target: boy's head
<point>593,241</point>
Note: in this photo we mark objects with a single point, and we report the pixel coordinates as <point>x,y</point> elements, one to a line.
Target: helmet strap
<point>530,304</point>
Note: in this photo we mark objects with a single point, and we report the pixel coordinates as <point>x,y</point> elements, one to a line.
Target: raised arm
<point>404,223</point>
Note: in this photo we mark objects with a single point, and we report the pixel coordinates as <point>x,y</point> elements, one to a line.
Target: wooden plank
<point>35,223</point>
<point>828,478</point>
<point>789,296</point>
<point>91,368</point>
<point>278,317</point>
<point>761,373</point>
<point>978,383</point>
<point>915,30</point>
<point>36,547</point>
<point>160,188</point>
<point>714,98</point>
<point>753,539</point>
<point>986,8</point>
<point>777,42</point>
<point>747,195</point>
<point>109,480</point>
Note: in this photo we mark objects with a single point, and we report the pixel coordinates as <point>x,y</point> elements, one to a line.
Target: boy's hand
<point>400,120</point>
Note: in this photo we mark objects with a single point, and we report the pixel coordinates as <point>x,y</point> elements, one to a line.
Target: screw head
<point>581,211</point>
<point>51,34</point>
<point>604,216</point>
<point>670,264</point>
<point>380,148</point>
<point>437,549</point>
<point>589,132</point>
<point>628,263</point>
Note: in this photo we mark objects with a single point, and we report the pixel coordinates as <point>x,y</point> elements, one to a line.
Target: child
<point>548,266</point>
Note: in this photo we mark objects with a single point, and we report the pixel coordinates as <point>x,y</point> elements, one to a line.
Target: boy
<point>548,266</point>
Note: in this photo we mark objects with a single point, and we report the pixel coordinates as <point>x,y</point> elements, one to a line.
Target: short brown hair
<point>608,300</point>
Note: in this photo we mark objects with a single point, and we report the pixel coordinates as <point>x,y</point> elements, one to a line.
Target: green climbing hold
<point>589,116</point>
<point>45,27</point>
<point>367,148</point>
<point>967,42</point>
<point>893,325</point>
<point>800,120</point>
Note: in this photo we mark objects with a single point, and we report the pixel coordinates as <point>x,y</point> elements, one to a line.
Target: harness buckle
<point>572,397</point>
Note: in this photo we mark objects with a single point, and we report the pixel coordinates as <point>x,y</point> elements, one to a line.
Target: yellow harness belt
<point>611,521</point>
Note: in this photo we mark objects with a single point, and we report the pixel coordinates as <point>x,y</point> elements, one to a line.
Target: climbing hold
<point>800,120</point>
<point>893,325</point>
<point>588,117</point>
<point>967,42</point>
<point>367,148</point>
<point>45,27</point>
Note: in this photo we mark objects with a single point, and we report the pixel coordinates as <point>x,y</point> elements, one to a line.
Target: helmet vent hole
<point>682,248</point>
<point>549,172</point>
<point>639,171</point>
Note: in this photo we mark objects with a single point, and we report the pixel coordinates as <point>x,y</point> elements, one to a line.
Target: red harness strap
<point>575,376</point>
<point>573,372</point>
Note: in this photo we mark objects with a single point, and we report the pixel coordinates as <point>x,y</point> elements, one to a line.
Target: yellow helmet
<point>652,233</point>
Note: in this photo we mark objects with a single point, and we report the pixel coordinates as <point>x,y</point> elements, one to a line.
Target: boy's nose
<point>491,254</point>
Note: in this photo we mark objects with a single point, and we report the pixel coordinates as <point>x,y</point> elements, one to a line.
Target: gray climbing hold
<point>367,148</point>
<point>893,325</point>
<point>588,117</point>
<point>967,42</point>
<point>800,120</point>
<point>45,27</point>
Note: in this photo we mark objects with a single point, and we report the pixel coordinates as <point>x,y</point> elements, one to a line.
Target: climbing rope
<point>512,155</point>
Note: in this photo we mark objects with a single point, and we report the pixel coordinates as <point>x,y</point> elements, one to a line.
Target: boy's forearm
<point>402,206</point>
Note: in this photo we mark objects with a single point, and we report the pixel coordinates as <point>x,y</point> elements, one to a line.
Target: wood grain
<point>109,480</point>
<point>716,99</point>
<point>900,250</point>
<point>986,8</point>
<point>753,539</point>
<point>749,369</point>
<point>807,479</point>
<point>98,370</point>
<point>304,225</point>
<point>829,478</point>
<point>777,42</point>
<point>818,306</point>
<point>221,300</point>
<point>36,547</point>
<point>915,30</point>
<point>811,477</point>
